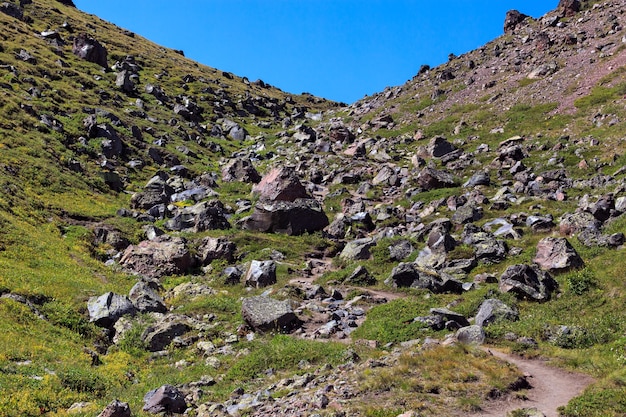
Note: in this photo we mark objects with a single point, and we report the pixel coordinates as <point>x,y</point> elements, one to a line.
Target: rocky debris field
<point>251,252</point>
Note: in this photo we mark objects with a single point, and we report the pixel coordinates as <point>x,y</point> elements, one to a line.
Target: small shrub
<point>83,381</point>
<point>580,282</point>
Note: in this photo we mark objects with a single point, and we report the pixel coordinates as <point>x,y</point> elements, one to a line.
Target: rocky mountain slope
<point>176,239</point>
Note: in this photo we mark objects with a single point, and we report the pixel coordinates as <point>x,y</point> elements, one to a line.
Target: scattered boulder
<point>240,169</point>
<point>156,192</point>
<point>414,276</point>
<point>291,218</point>
<point>400,250</point>
<point>528,282</point>
<point>468,213</point>
<point>206,215</point>
<point>431,178</point>
<point>493,310</point>
<point>124,82</point>
<point>267,314</point>
<point>106,309</point>
<point>486,247</point>
<point>160,335</point>
<point>280,184</point>
<point>512,20</point>
<point>145,297</point>
<point>471,335</point>
<point>165,399</point>
<point>358,249</point>
<point>572,223</point>
<point>556,254</point>
<point>261,274</point>
<point>116,408</point>
<point>159,257</point>
<point>479,178</point>
<point>360,276</point>
<point>211,249</point>
<point>439,146</point>
<point>89,49</point>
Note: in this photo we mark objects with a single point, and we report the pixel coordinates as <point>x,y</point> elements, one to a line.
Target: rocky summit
<point>180,240</point>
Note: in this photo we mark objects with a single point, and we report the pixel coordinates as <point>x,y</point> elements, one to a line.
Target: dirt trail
<point>551,387</point>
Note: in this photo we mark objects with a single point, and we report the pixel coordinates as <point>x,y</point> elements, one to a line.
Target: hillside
<point>182,239</point>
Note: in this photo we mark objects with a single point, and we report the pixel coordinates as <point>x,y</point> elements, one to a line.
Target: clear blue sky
<point>337,49</point>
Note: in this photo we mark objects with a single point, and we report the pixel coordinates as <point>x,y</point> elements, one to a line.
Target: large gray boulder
<point>89,49</point>
<point>555,254</point>
<point>145,297</point>
<point>266,314</point>
<point>572,223</point>
<point>528,282</point>
<point>159,336</point>
<point>261,274</point>
<point>493,310</point>
<point>280,184</point>
<point>165,399</point>
<point>358,249</point>
<point>471,335</point>
<point>106,309</point>
<point>159,257</point>
<point>291,218</point>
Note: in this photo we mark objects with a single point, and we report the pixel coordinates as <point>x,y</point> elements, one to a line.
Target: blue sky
<point>339,49</point>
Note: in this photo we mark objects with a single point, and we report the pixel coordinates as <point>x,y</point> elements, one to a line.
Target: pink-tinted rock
<point>280,184</point>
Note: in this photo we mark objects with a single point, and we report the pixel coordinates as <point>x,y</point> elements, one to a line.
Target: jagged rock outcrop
<point>89,49</point>
<point>528,282</point>
<point>512,20</point>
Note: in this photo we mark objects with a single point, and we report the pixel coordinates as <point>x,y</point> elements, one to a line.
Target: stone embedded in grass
<point>105,310</point>
<point>266,314</point>
<point>471,335</point>
<point>358,249</point>
<point>493,310</point>
<point>161,334</point>
<point>431,178</point>
<point>144,295</point>
<point>556,255</point>
<point>240,169</point>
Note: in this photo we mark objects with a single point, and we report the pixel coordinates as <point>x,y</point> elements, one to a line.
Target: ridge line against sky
<point>340,50</point>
